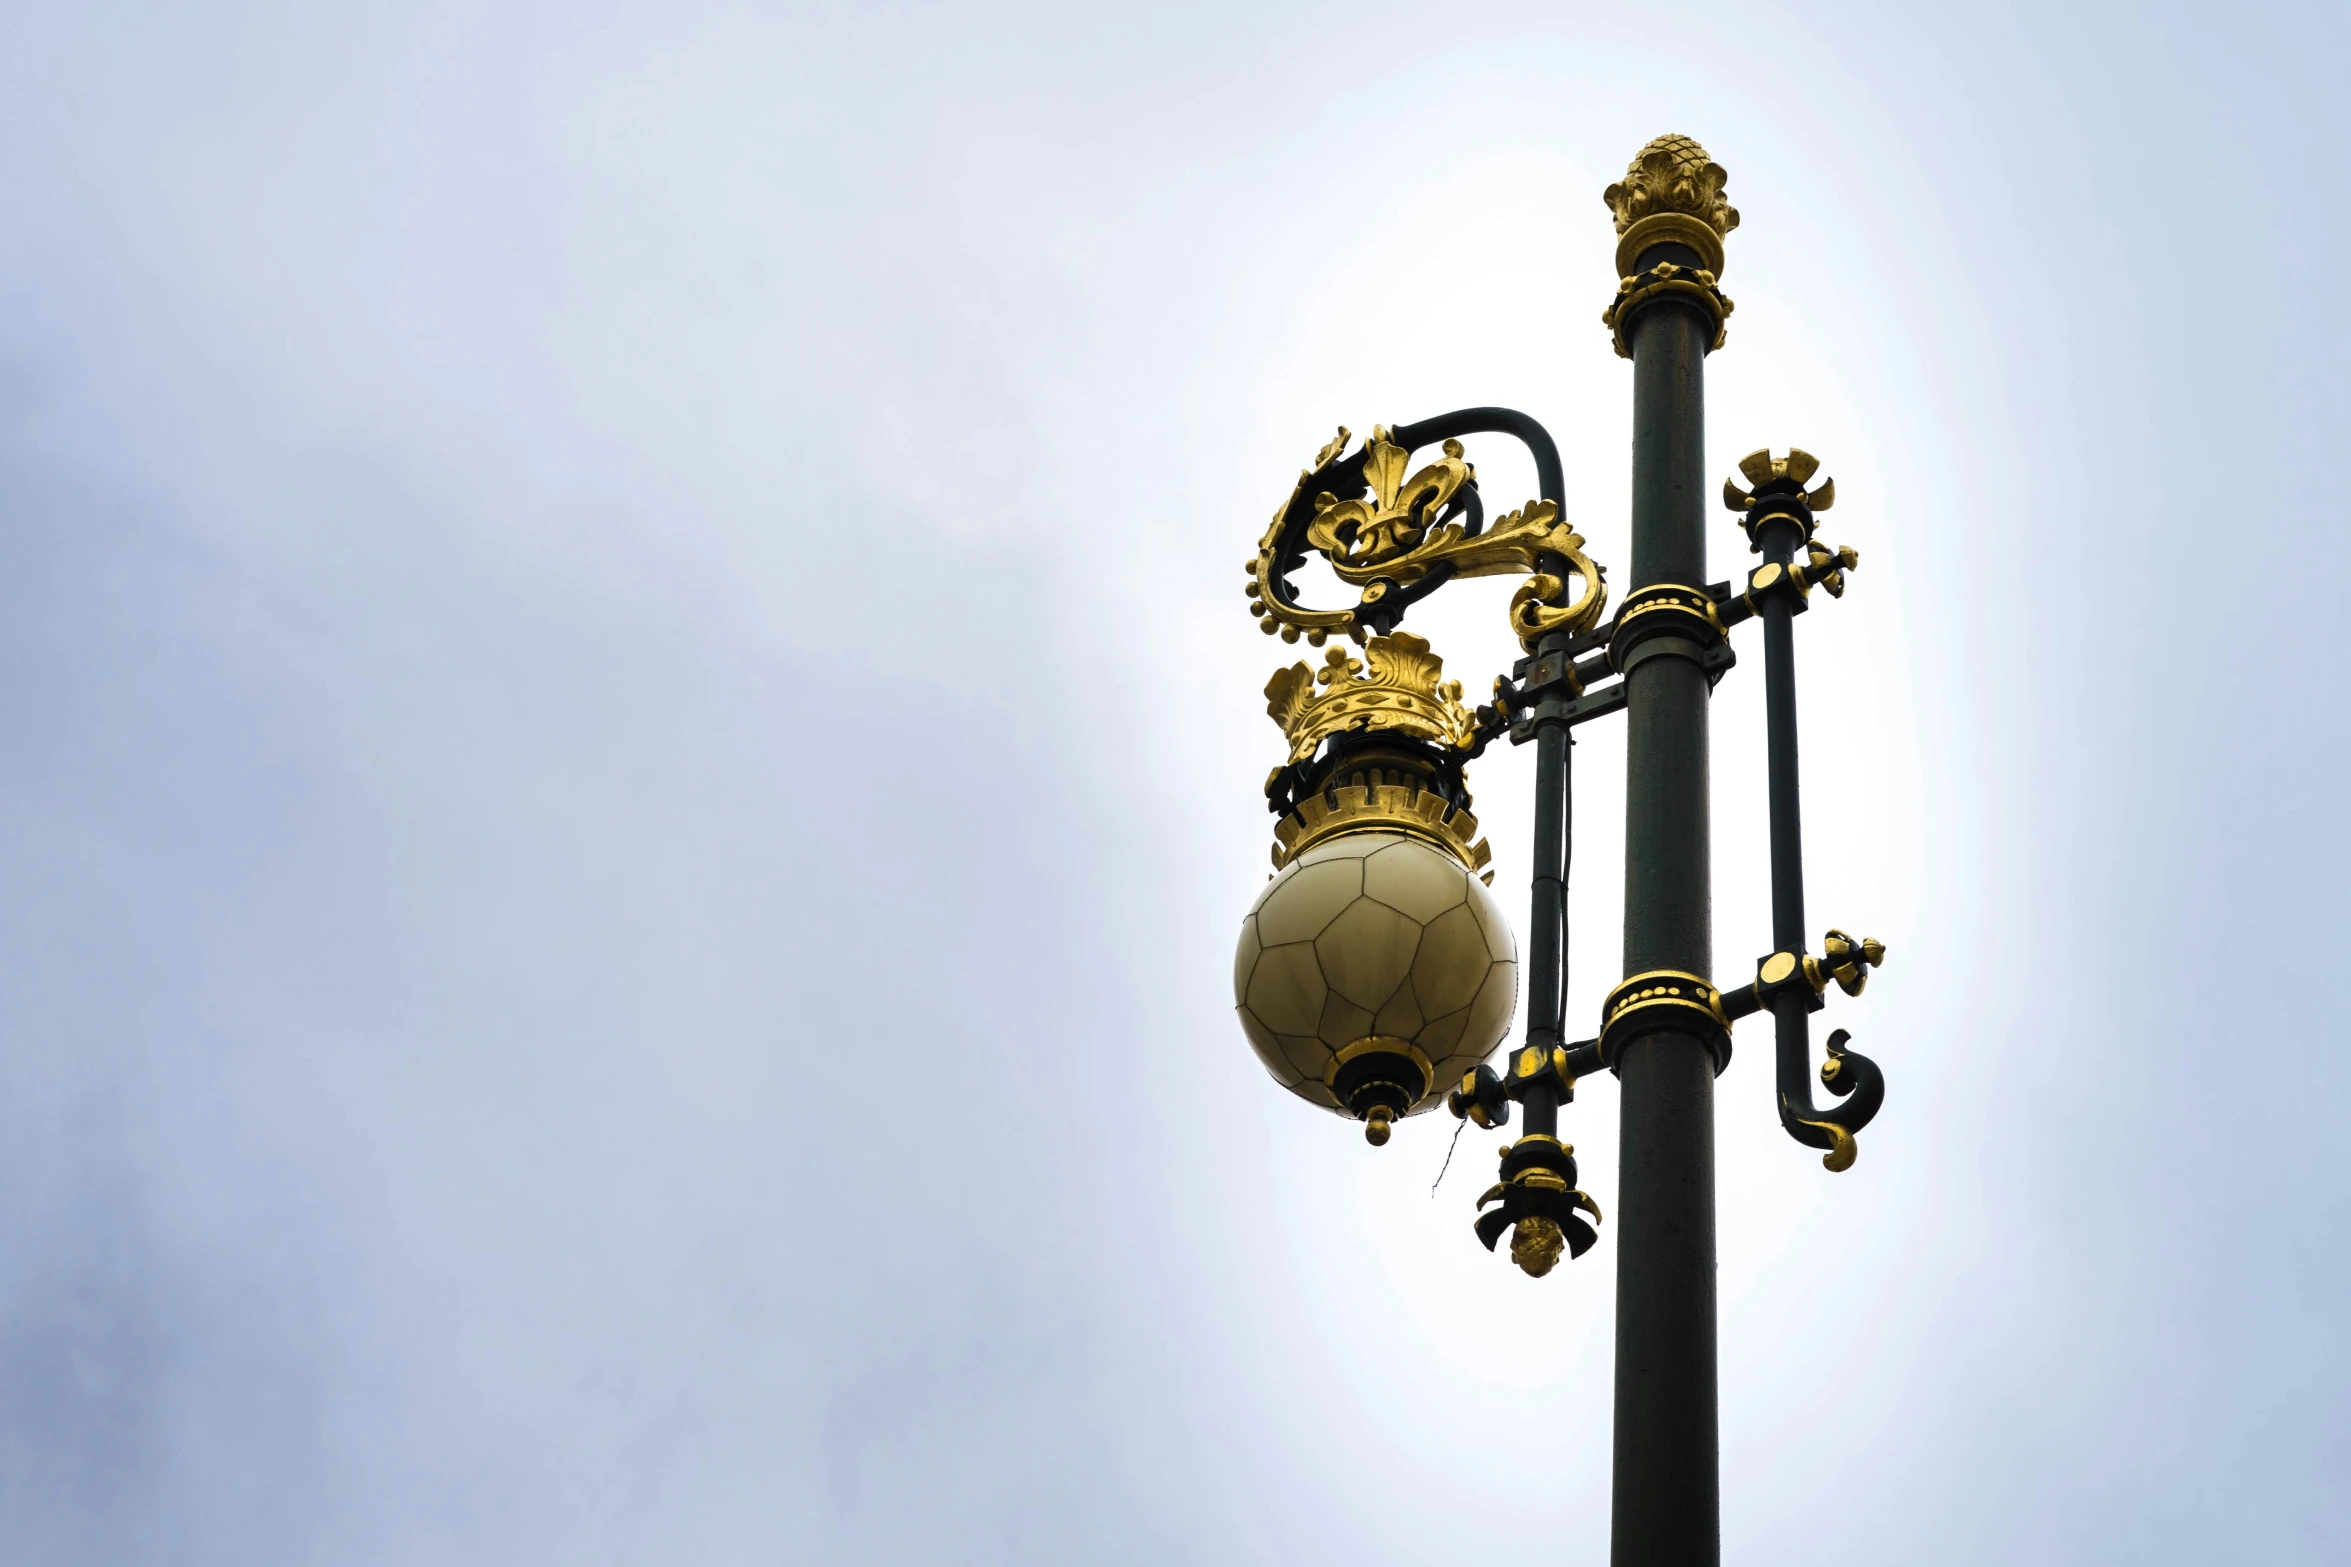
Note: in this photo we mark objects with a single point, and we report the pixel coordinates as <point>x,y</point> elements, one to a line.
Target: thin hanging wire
<point>1448,1164</point>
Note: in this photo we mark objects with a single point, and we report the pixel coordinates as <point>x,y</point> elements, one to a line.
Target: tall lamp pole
<point>1376,974</point>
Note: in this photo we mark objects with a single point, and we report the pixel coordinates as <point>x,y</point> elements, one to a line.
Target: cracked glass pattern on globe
<point>1374,933</point>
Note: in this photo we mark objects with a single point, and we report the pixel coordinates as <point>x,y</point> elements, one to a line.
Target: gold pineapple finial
<point>1535,1245</point>
<point>1671,191</point>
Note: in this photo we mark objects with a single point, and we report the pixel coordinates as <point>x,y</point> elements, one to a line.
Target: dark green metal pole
<point>1667,1490</point>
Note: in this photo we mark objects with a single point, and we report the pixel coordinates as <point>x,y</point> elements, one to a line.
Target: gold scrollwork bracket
<point>1389,540</point>
<point>1535,612</point>
<point>1388,534</point>
<point>1409,530</point>
<point>1269,599</point>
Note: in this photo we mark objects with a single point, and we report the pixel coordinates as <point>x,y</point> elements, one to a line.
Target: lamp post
<point>1376,974</point>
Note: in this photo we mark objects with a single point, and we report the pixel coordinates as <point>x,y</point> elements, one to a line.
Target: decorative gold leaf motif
<point>1512,545</point>
<point>1286,693</point>
<point>1534,616</point>
<point>1389,538</point>
<point>1369,534</point>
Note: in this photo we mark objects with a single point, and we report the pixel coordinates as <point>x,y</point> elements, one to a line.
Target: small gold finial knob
<point>1376,1126</point>
<point>1535,1245</point>
<point>1671,191</point>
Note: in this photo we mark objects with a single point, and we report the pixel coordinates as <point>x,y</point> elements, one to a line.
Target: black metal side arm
<point>1789,983</point>
<point>1553,693</point>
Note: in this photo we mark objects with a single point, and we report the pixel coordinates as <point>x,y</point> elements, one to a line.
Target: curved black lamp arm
<point>1540,1092</point>
<point>1550,478</point>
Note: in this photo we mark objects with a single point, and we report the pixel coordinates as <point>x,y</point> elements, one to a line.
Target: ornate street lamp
<point>1376,973</point>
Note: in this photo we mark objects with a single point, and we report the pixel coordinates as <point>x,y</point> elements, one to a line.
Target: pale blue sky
<point>631,754</point>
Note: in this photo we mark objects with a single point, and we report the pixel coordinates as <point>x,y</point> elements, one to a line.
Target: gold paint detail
<point>1667,280</point>
<point>1403,688</point>
<point>1694,607</point>
<point>1376,1126</point>
<point>1832,565</point>
<point>1530,1061</point>
<point>1664,989</point>
<point>1369,545</point>
<point>1666,596</point>
<point>1383,807</point>
<point>1848,961</point>
<point>1291,620</point>
<point>1843,1150</point>
<point>1777,968</point>
<point>1669,228</point>
<point>1536,1246</point>
<point>1380,1043</point>
<point>1672,174</point>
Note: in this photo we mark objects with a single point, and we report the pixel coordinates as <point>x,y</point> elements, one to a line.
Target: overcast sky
<point>630,756</point>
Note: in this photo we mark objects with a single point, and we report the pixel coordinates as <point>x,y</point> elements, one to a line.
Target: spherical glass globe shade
<point>1374,933</point>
